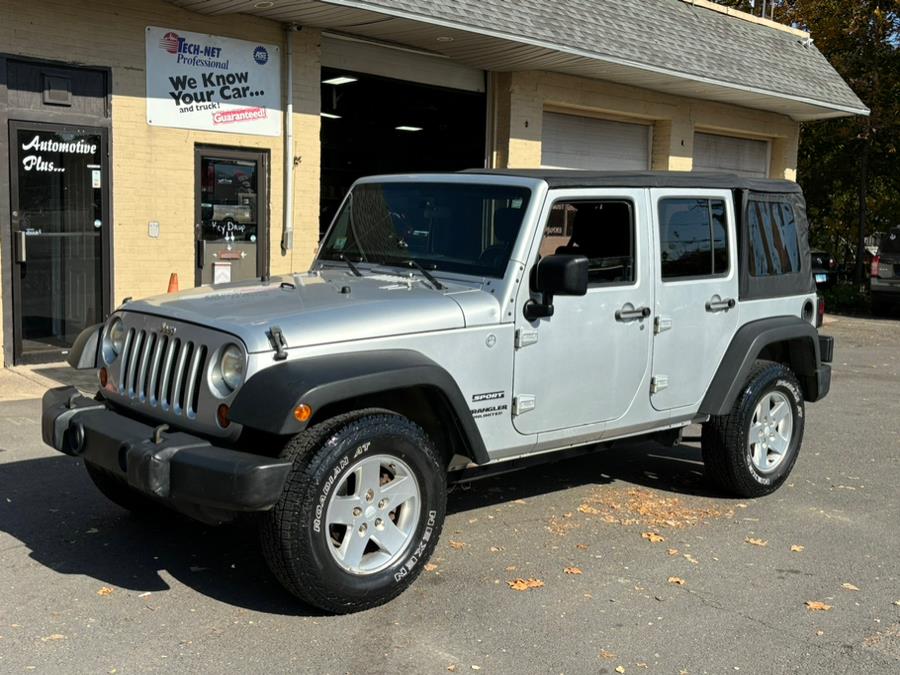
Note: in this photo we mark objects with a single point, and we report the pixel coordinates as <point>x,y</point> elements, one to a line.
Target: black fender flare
<point>85,351</point>
<point>268,399</point>
<point>746,346</point>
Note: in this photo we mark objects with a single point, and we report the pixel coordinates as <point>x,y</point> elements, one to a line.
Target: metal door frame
<point>260,155</point>
<point>105,232</point>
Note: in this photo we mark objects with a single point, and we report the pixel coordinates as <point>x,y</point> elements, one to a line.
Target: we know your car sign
<point>212,83</point>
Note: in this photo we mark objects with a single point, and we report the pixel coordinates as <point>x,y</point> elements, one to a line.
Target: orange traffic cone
<point>173,283</point>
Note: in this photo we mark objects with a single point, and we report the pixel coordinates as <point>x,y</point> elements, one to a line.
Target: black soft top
<point>565,178</point>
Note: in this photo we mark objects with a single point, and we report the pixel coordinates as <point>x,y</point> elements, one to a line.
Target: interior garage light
<point>343,79</point>
<point>406,128</point>
<point>330,116</point>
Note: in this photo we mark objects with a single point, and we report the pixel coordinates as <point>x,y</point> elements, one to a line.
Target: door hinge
<point>523,403</point>
<point>658,383</point>
<point>525,338</point>
<point>662,324</point>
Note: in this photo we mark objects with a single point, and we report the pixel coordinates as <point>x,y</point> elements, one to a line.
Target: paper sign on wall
<point>212,83</point>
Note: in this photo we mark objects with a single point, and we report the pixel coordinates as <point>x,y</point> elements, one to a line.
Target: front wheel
<point>750,451</point>
<point>361,511</point>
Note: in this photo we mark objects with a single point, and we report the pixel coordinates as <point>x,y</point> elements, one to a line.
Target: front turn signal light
<point>302,413</point>
<point>223,416</point>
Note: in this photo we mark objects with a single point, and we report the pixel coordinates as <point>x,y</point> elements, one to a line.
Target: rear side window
<point>693,237</point>
<point>774,246</point>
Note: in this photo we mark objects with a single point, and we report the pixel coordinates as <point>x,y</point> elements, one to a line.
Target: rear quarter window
<point>774,245</point>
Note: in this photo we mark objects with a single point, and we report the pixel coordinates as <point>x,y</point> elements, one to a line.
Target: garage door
<point>573,142</point>
<point>742,156</point>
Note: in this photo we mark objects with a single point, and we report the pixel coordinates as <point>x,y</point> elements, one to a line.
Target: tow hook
<point>158,433</point>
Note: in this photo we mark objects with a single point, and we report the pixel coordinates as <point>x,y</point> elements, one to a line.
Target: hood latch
<point>279,344</point>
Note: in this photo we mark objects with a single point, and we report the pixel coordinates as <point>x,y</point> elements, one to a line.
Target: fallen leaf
<point>756,542</point>
<point>496,549</point>
<point>606,654</point>
<point>104,591</point>
<point>849,587</point>
<point>820,632</point>
<point>53,638</point>
<point>452,667</point>
<point>672,551</point>
<point>581,547</point>
<point>816,606</point>
<point>430,567</point>
<point>519,501</point>
<point>678,581</point>
<point>691,559</point>
<point>572,570</point>
<point>587,508</point>
<point>797,548</point>
<point>474,667</point>
<point>641,664</point>
<point>525,584</point>
<point>897,602</point>
<point>653,537</point>
<point>457,545</point>
<point>620,669</point>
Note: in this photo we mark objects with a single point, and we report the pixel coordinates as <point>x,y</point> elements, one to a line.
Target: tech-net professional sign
<point>212,83</point>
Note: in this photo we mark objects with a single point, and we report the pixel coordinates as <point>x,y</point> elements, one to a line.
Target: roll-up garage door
<point>574,142</point>
<point>401,64</point>
<point>743,156</point>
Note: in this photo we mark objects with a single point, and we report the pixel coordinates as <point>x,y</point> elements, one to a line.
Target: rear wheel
<point>361,511</point>
<point>750,451</point>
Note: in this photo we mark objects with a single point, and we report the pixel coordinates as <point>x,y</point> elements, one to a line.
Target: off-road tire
<point>298,555</point>
<point>120,493</point>
<point>725,438</point>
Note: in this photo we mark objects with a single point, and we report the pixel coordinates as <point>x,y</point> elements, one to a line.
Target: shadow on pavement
<point>51,506</point>
<point>85,380</point>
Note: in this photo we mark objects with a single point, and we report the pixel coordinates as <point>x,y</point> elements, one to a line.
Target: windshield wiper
<point>353,268</point>
<point>438,286</point>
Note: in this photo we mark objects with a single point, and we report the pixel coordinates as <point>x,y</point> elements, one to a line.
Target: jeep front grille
<point>162,371</point>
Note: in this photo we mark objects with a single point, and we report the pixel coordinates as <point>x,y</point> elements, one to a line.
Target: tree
<point>849,167</point>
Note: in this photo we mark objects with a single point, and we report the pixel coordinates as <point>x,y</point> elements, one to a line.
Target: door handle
<point>632,314</point>
<point>716,305</point>
<point>21,247</point>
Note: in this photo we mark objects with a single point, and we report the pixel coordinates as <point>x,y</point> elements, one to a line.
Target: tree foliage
<point>850,167</point>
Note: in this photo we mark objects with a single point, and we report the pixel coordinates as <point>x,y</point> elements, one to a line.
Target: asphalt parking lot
<point>643,569</point>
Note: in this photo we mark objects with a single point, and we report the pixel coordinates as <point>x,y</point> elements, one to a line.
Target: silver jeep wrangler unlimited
<point>450,325</point>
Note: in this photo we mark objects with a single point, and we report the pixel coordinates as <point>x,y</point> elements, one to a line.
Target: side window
<point>693,237</point>
<point>601,230</point>
<point>774,247</point>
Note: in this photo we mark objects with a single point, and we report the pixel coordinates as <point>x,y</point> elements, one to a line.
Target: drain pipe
<point>287,233</point>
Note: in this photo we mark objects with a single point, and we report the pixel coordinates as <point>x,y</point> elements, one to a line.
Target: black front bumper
<point>187,472</point>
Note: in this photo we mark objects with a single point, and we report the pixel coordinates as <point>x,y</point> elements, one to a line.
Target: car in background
<point>824,268</point>
<point>885,273</point>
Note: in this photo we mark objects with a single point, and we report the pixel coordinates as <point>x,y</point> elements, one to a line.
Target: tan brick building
<point>111,179</point>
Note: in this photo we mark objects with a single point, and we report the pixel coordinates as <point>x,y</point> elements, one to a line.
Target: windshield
<point>452,227</point>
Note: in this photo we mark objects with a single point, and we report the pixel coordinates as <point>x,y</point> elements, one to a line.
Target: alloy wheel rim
<point>771,431</point>
<point>372,514</point>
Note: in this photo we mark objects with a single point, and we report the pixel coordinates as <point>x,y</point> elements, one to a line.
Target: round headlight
<point>113,340</point>
<point>231,366</point>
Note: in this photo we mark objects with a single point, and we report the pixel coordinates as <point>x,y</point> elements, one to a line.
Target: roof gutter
<point>443,23</point>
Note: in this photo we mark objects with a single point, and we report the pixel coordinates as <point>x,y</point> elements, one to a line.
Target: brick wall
<point>153,167</point>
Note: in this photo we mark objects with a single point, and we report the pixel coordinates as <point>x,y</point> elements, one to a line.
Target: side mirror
<point>556,275</point>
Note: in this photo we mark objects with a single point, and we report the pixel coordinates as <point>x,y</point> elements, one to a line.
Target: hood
<point>316,307</point>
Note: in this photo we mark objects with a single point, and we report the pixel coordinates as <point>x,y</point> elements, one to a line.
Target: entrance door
<point>59,198</point>
<point>232,215</point>
<point>586,363</point>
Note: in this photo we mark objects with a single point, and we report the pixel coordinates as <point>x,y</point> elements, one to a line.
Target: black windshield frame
<point>457,227</point>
